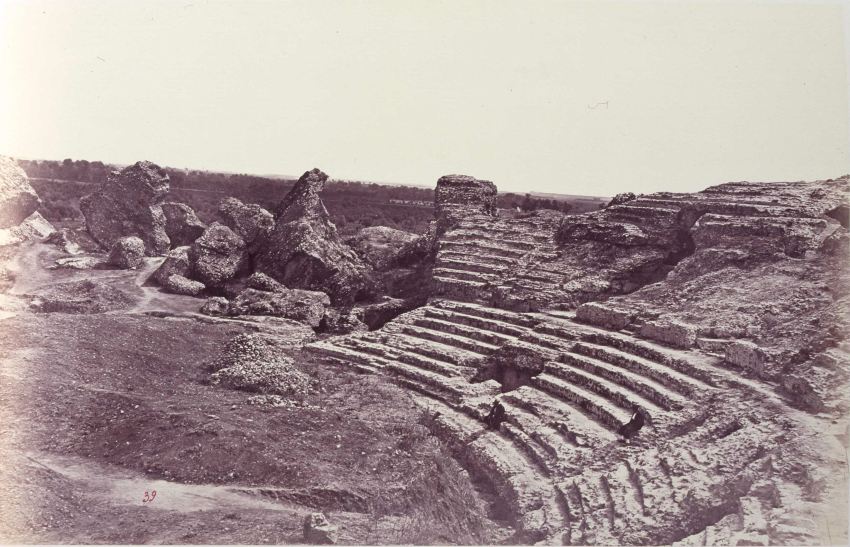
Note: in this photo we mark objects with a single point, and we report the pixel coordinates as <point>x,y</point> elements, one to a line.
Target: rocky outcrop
<point>181,223</point>
<point>341,322</point>
<point>18,199</point>
<point>176,263</point>
<point>127,253</point>
<point>376,314</point>
<point>458,196</point>
<point>305,251</point>
<point>262,282</point>
<point>250,221</point>
<point>129,204</point>
<point>179,284</point>
<point>217,256</point>
<point>215,305</point>
<point>620,199</point>
<point>33,228</point>
<point>305,306</point>
<point>379,246</point>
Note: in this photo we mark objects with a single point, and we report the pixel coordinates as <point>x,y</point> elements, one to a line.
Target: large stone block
<point>604,315</point>
<point>747,355</point>
<point>671,332</point>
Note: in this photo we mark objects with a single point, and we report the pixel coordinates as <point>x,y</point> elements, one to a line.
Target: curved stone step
<point>482,323</point>
<point>478,255</point>
<point>469,264</point>
<point>570,422</point>
<point>463,275</point>
<point>439,335</point>
<point>555,444</point>
<point>347,357</point>
<point>390,353</point>
<point>608,390</point>
<point>595,406</point>
<point>652,390</point>
<point>661,373</point>
<point>432,383</point>
<point>436,350</point>
<point>486,247</point>
<point>493,457</point>
<point>459,288</point>
<point>486,312</point>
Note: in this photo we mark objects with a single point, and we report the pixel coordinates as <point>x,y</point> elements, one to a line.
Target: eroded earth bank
<point>274,383</point>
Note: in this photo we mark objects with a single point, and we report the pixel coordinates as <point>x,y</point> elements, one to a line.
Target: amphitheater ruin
<point>718,318</point>
<point>566,322</point>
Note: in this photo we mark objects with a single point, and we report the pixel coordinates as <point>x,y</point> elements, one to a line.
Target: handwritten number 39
<point>149,496</point>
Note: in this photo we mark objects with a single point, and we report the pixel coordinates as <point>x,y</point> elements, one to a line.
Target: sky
<point>590,98</point>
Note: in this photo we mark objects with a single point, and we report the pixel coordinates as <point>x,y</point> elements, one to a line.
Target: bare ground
<point>98,409</point>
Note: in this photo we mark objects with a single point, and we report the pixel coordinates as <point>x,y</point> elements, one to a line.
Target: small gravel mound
<point>257,363</point>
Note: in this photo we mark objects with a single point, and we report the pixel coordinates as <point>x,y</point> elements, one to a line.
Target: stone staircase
<point>481,254</point>
<point>555,422</point>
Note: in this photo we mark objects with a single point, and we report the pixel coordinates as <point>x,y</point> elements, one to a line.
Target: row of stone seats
<point>555,424</point>
<point>520,481</point>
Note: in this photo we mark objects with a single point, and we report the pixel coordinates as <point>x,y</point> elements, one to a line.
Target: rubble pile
<point>258,363</point>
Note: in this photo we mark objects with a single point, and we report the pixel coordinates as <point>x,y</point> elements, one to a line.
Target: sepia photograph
<point>424,272</point>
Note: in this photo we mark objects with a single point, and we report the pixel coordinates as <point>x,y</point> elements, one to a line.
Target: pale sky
<point>569,97</point>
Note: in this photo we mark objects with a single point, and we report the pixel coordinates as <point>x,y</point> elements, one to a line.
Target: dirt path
<point>122,487</point>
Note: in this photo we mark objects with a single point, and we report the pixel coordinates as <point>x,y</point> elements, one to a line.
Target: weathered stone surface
<point>176,262</point>
<point>598,313</point>
<point>458,196</point>
<point>304,250</point>
<point>178,284</point>
<point>262,282</point>
<point>217,256</point>
<point>802,393</point>
<point>746,355</point>
<point>376,314</point>
<point>128,204</point>
<point>514,364</point>
<point>379,246</point>
<point>215,305</point>
<point>299,305</point>
<point>18,199</point>
<point>671,332</point>
<point>318,530</point>
<point>181,223</point>
<point>127,253</point>
<point>250,221</point>
<point>341,322</point>
<point>619,199</point>
<point>33,228</point>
